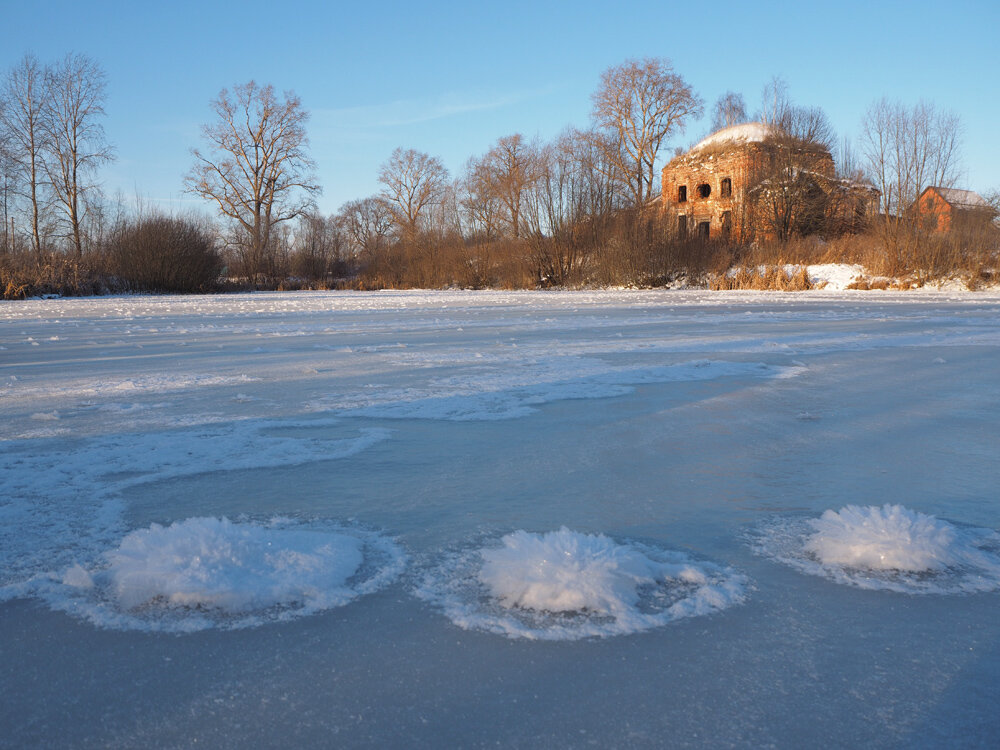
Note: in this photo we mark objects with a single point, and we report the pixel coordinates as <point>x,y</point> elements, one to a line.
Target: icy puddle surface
<point>563,585</point>
<point>889,548</point>
<point>480,519</point>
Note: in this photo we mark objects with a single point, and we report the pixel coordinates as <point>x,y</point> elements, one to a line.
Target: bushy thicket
<point>145,254</point>
<point>624,249</point>
<point>163,254</point>
<point>637,251</point>
<point>25,275</point>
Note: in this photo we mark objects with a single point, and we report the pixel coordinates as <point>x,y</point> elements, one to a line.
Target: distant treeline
<point>582,210</point>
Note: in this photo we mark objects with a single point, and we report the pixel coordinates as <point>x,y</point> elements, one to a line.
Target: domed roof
<point>747,132</point>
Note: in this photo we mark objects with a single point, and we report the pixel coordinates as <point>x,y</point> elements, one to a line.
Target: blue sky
<point>450,78</point>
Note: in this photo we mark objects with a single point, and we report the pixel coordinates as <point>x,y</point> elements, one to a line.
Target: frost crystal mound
<point>888,538</point>
<point>562,571</point>
<point>565,585</point>
<point>208,572</point>
<point>887,548</point>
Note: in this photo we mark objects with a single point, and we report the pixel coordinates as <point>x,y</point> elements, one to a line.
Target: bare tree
<point>8,185</point>
<point>573,186</point>
<point>444,218</point>
<point>848,161</point>
<point>774,103</point>
<point>75,136</point>
<point>257,169</point>
<point>730,109</point>
<point>510,168</point>
<point>320,247</point>
<point>638,105</point>
<point>785,196</point>
<point>369,222</point>
<point>479,202</point>
<point>808,125</point>
<point>24,96</point>
<point>414,182</point>
<point>907,149</point>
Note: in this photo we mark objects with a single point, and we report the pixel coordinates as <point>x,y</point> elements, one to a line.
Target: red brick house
<point>942,209</point>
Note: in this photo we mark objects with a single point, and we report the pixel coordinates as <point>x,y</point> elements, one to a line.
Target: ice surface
<point>519,391</point>
<point>436,423</point>
<point>889,548</point>
<point>211,572</point>
<point>564,585</point>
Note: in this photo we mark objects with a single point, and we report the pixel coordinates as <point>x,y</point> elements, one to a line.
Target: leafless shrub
<point>164,254</point>
<point>23,275</point>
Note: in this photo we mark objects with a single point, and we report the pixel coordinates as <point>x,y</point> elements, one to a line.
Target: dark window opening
<point>682,194</point>
<point>727,223</point>
<point>703,227</point>
<point>726,189</point>
<point>704,190</point>
<point>682,225</point>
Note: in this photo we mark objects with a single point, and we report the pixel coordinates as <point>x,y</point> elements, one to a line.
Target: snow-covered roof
<point>747,132</point>
<point>962,198</point>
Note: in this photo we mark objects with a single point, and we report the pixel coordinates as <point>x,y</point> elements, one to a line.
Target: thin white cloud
<point>404,112</point>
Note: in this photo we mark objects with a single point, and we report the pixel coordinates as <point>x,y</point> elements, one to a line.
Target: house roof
<point>966,199</point>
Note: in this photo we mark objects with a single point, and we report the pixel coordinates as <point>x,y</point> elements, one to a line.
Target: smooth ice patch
<point>210,572</point>
<point>564,585</point>
<point>889,547</point>
<point>517,390</point>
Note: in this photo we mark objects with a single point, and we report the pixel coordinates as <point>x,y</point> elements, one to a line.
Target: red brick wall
<point>934,211</point>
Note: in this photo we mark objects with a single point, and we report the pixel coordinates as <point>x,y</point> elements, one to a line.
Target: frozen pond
<point>462,519</point>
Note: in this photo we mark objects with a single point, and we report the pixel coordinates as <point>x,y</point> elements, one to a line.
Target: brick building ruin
<point>752,181</point>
